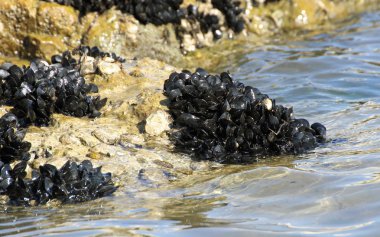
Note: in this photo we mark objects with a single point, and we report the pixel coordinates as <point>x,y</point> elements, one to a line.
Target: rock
<point>132,139</point>
<point>157,123</point>
<point>56,19</point>
<point>108,68</point>
<point>111,31</point>
<point>136,73</point>
<point>69,138</point>
<point>109,137</point>
<point>149,101</point>
<point>88,66</point>
<point>43,45</point>
<point>17,18</point>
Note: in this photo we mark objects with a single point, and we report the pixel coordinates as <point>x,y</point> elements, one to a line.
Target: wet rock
<point>218,118</point>
<point>151,177</point>
<point>157,123</point>
<point>136,73</point>
<point>69,139</point>
<point>163,163</point>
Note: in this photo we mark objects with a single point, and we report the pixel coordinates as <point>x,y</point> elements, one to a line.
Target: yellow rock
<point>94,155</point>
<point>17,18</point>
<point>56,19</point>
<point>43,46</point>
<point>108,31</point>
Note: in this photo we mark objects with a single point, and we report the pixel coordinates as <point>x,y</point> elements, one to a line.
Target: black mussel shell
<point>70,184</point>
<point>217,118</point>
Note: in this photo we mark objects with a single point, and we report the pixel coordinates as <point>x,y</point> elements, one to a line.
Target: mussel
<point>218,118</point>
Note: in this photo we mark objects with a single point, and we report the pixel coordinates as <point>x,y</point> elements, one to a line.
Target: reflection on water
<point>332,78</point>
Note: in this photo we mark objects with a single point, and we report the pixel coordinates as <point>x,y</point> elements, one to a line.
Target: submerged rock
<point>220,119</point>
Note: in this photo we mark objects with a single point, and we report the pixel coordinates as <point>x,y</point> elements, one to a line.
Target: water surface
<point>333,78</point>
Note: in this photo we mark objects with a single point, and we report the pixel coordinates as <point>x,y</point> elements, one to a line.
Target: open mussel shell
<point>217,118</point>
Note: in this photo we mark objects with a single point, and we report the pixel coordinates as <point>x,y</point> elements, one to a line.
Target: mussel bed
<point>69,184</point>
<point>220,119</point>
<point>36,92</point>
<point>160,12</point>
<point>12,144</point>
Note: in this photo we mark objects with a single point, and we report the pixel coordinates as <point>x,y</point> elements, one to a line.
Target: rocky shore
<point>35,28</point>
<point>129,139</point>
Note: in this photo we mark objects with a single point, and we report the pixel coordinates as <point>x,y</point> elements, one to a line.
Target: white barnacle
<point>268,104</point>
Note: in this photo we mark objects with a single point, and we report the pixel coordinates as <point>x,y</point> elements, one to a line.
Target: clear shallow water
<point>332,78</point>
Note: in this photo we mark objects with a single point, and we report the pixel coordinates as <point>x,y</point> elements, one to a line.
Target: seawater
<point>332,78</point>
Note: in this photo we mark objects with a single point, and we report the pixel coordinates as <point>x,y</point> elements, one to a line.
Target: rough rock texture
<point>17,19</point>
<point>57,19</point>
<point>47,28</point>
<point>157,123</point>
<point>117,140</point>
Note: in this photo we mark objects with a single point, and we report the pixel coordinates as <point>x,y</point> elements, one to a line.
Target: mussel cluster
<point>69,184</point>
<point>68,60</point>
<point>12,144</point>
<point>211,21</point>
<point>85,6</point>
<point>231,11</point>
<point>159,12</point>
<point>218,118</point>
<point>38,91</point>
